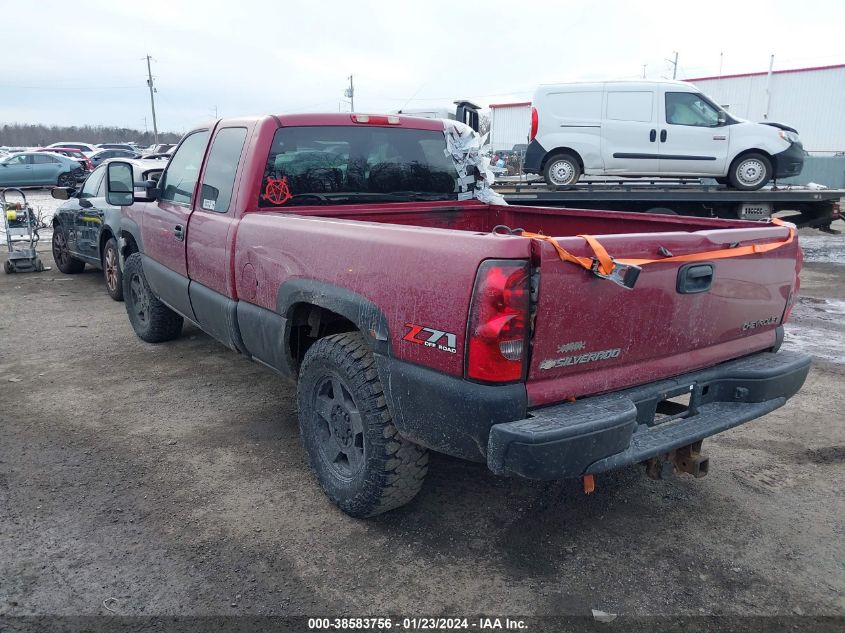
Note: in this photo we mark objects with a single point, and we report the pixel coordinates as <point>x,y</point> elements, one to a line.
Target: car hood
<point>780,126</point>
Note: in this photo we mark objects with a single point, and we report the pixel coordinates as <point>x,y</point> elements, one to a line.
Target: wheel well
<point>753,151</point>
<point>131,246</point>
<point>308,323</point>
<point>105,236</point>
<point>562,150</point>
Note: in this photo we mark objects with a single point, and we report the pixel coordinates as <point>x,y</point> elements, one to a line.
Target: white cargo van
<point>652,128</point>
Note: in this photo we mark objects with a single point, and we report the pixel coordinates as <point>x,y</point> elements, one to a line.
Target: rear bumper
<point>533,161</point>
<point>790,161</point>
<point>606,432</point>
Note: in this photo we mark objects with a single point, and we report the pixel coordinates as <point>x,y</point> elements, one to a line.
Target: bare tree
<point>483,124</point>
<point>29,135</point>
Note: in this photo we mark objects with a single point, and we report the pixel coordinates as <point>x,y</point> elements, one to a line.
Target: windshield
<point>349,164</point>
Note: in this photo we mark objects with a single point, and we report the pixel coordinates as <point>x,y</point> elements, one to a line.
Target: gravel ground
<point>169,480</point>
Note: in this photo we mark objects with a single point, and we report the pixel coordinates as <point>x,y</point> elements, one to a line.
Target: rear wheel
<point>750,172</point>
<point>67,179</point>
<point>8,268</point>
<point>65,262</point>
<point>152,321</point>
<point>361,462</point>
<point>111,270</point>
<point>562,170</point>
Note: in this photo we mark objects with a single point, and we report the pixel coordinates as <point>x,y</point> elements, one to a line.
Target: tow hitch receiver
<point>687,459</point>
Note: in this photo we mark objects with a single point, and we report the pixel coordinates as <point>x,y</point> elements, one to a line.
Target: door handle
<point>179,232</point>
<point>652,136</point>
<point>662,136</point>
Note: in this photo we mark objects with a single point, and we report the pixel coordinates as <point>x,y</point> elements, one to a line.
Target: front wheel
<point>65,262</point>
<point>111,270</point>
<point>750,172</point>
<point>562,170</point>
<point>361,462</point>
<point>152,321</point>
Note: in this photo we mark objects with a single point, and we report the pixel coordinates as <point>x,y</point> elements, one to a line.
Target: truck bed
<point>427,256</point>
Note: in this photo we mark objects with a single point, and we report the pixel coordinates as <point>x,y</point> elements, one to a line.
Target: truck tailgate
<point>592,335</point>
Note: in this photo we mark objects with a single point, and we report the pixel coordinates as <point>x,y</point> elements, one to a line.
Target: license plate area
<point>674,404</point>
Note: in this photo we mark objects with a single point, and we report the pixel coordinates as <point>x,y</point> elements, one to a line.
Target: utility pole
<point>152,98</point>
<point>675,66</point>
<point>644,66</point>
<point>350,92</point>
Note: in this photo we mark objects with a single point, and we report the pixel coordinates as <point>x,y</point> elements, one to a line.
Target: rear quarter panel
<point>413,275</point>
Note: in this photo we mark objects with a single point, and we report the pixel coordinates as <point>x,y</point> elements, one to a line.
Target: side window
<point>43,159</point>
<point>630,106</point>
<point>20,159</point>
<point>178,182</point>
<point>92,184</point>
<point>220,169</point>
<point>687,108</point>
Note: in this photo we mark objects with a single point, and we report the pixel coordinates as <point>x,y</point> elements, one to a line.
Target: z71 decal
<point>428,336</point>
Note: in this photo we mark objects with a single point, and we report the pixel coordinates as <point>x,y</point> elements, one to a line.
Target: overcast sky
<point>82,62</point>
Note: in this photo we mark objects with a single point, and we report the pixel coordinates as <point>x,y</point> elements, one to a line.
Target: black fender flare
<point>362,312</point>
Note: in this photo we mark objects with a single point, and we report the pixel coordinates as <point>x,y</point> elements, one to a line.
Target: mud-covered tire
<point>152,321</point>
<point>111,270</point>
<point>338,381</point>
<point>65,262</point>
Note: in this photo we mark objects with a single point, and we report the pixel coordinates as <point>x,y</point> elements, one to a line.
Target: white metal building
<point>812,100</point>
<point>509,125</point>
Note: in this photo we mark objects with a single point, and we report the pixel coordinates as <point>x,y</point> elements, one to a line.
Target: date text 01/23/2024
<point>416,624</point>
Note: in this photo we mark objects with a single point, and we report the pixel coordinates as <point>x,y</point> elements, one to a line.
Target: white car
<point>652,128</point>
<point>85,148</point>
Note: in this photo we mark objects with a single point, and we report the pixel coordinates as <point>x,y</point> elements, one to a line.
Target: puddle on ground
<point>816,328</point>
<point>823,248</point>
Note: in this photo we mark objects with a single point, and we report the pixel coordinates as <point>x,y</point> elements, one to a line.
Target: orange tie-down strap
<point>606,264</point>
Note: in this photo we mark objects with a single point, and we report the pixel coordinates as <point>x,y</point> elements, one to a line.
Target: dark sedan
<point>105,154</point>
<point>86,228</point>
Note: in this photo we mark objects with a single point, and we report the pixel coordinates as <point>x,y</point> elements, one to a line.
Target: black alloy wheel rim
<point>340,428</point>
<point>140,299</point>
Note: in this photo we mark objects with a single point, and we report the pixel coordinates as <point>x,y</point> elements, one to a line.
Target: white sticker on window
<point>209,204</point>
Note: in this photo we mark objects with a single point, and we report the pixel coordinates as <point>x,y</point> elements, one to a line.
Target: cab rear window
<point>310,162</point>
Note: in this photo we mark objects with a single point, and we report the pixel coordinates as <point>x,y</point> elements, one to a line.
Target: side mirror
<point>120,188</point>
<point>722,119</point>
<point>62,193</point>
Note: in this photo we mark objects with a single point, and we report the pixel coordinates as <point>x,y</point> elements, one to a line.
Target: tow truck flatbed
<point>811,207</point>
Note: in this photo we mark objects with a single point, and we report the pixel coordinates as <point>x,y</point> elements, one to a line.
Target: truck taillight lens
<point>535,123</point>
<point>498,322</point>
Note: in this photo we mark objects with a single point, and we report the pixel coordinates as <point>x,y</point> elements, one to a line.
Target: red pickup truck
<point>352,253</point>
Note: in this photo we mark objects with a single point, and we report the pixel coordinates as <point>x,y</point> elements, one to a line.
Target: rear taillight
<point>498,322</point>
<point>535,123</point>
